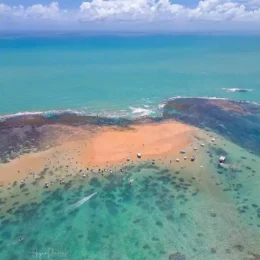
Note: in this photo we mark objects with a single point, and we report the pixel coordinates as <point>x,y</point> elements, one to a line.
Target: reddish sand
<point>149,140</point>
<point>107,146</point>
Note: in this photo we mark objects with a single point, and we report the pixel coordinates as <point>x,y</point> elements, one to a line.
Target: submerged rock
<point>177,256</point>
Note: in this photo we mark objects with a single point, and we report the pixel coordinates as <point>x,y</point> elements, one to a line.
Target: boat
<point>222,159</point>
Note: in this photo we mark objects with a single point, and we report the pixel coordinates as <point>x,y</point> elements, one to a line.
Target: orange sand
<point>106,147</point>
<point>150,140</point>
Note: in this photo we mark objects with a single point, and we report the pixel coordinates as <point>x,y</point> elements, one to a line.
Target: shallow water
<point>168,213</point>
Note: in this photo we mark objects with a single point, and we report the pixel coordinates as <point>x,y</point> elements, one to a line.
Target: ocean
<point>123,75</point>
<point>61,93</point>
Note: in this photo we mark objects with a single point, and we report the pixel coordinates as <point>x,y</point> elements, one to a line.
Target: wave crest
<point>139,111</point>
<point>131,112</point>
<point>242,90</point>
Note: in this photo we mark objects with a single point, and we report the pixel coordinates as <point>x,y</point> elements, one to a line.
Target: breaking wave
<point>242,90</point>
<point>131,112</point>
<point>139,111</point>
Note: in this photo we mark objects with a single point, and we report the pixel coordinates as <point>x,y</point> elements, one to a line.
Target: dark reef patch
<point>177,256</point>
<point>23,134</point>
<point>236,120</point>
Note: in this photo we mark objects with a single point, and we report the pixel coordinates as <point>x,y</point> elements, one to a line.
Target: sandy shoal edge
<point>108,147</point>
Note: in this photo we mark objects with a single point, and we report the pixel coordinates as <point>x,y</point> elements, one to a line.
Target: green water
<point>209,213</point>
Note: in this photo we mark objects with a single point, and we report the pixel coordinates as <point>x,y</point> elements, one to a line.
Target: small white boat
<point>222,159</point>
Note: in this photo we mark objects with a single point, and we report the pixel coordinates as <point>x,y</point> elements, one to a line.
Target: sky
<point>131,15</point>
<point>76,3</point>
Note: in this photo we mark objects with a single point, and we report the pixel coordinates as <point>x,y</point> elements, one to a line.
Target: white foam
<point>78,112</point>
<point>33,113</point>
<point>80,202</point>
<point>135,112</point>
<point>203,97</point>
<point>164,103</point>
<point>208,98</point>
<point>161,106</point>
<point>110,114</point>
<point>212,98</point>
<point>237,89</point>
<point>139,111</point>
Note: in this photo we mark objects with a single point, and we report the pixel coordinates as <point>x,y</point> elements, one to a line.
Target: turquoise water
<point>113,73</point>
<point>209,213</point>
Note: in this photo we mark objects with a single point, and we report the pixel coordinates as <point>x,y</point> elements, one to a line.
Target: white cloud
<point>217,10</point>
<point>4,8</point>
<point>130,11</point>
<point>39,11</point>
<point>209,10</point>
<point>34,12</point>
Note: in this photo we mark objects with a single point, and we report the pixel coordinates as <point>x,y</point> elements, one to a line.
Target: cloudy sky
<point>132,15</point>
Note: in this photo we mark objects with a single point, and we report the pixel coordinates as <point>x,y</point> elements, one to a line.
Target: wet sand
<point>106,147</point>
